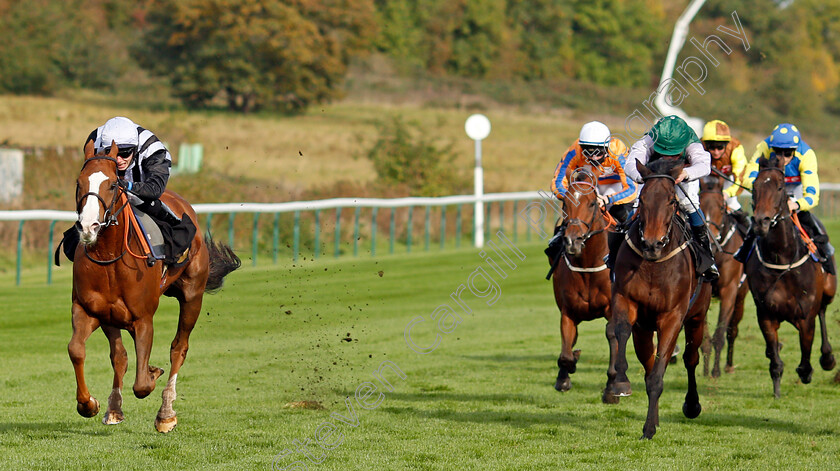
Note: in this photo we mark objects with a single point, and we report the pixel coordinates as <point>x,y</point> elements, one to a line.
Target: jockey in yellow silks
<point>597,152</point>
<point>728,158</point>
<point>802,184</point>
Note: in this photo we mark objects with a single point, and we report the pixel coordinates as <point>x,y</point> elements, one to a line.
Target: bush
<point>403,156</point>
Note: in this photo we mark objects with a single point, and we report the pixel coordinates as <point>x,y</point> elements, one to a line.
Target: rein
<point>673,252</point>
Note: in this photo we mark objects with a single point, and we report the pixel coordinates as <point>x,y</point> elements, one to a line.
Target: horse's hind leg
<point>119,361</point>
<point>83,326</point>
<point>826,358</point>
<point>567,362</point>
<point>770,328</point>
<point>732,330</point>
<point>727,309</point>
<point>806,341</point>
<point>167,419</point>
<point>143,334</point>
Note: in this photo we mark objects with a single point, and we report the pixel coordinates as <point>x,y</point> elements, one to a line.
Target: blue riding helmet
<point>785,136</point>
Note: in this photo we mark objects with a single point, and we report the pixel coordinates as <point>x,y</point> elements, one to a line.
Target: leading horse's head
<point>583,218</point>
<point>769,195</point>
<point>657,205</point>
<point>96,193</point>
<point>712,203</point>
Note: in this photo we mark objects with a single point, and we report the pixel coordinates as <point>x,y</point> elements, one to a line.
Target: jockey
<point>729,159</point>
<point>801,182</point>
<point>603,156</point>
<point>672,138</point>
<point>142,164</point>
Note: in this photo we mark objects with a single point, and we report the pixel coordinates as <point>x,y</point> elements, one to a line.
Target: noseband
<point>665,240</point>
<point>588,225</point>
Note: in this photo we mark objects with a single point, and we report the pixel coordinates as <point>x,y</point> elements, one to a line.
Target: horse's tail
<point>222,262</point>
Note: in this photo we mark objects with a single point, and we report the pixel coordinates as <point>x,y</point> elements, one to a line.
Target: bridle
<point>588,225</point>
<point>778,216</point>
<point>667,237</point>
<point>723,234</point>
<point>110,215</point>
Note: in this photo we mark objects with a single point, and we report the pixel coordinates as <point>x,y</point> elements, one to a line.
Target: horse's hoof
<point>563,384</point>
<point>155,372</point>
<point>113,418</point>
<point>620,389</point>
<point>692,410</point>
<point>576,354</point>
<point>608,398</point>
<point>165,425</point>
<point>648,433</point>
<point>827,362</point>
<point>729,369</point>
<point>804,374</point>
<point>90,409</point>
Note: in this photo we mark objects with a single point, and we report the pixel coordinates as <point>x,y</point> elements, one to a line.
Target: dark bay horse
<point>581,279</point>
<point>656,289</point>
<point>786,283</point>
<point>115,290</point>
<point>725,232</point>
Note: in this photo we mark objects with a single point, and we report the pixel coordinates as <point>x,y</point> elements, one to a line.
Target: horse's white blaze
<point>90,211</point>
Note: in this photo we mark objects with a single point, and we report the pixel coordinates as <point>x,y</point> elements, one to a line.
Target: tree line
<point>286,55</point>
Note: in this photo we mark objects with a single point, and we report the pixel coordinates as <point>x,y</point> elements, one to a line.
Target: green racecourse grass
<point>484,399</point>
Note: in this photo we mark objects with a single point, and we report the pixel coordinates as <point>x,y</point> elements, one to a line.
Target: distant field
<point>317,149</point>
<point>482,400</point>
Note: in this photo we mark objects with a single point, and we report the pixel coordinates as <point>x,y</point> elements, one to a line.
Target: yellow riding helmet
<point>716,130</point>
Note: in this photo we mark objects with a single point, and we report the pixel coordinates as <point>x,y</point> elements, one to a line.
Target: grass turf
<point>482,400</point>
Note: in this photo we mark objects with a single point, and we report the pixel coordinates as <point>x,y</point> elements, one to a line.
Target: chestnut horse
<point>786,283</point>
<point>116,291</point>
<point>581,279</point>
<point>656,289</point>
<point>728,288</point>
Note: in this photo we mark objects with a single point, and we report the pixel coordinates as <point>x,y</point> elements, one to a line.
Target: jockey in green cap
<point>672,138</point>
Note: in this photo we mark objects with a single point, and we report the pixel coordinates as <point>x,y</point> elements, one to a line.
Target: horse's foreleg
<point>618,332</point>
<point>667,334</point>
<point>119,362</point>
<point>694,328</point>
<point>567,362</point>
<point>806,328</point>
<point>727,309</point>
<point>143,334</point>
<point>83,326</point>
<point>769,328</point>
<point>826,358</point>
<point>167,419</point>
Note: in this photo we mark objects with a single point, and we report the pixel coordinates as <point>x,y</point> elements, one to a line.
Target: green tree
<point>268,54</point>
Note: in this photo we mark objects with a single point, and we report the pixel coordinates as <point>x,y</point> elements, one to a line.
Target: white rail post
<point>478,128</point>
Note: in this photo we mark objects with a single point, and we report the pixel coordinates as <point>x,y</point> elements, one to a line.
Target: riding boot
<point>557,243</point>
<point>820,239</point>
<point>614,240</point>
<point>742,219</point>
<point>743,253</point>
<point>701,235</point>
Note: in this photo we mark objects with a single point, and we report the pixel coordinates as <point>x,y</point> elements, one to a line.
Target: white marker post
<point>478,128</point>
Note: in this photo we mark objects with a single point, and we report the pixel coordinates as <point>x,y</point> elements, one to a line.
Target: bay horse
<point>786,283</point>
<point>728,287</point>
<point>656,289</point>
<point>116,291</point>
<point>581,279</point>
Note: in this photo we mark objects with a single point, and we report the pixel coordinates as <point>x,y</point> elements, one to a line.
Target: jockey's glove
<point>125,184</point>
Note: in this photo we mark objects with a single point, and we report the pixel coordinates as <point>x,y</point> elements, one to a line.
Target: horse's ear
<point>89,149</point>
<point>643,171</point>
<point>114,150</point>
<point>676,171</point>
<point>763,162</point>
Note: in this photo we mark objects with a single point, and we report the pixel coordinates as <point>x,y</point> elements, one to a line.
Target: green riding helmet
<point>671,135</point>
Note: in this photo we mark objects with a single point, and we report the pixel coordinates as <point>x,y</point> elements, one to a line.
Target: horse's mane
<point>663,166</point>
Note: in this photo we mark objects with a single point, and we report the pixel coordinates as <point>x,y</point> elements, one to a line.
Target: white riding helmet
<point>121,130</point>
<point>595,133</point>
